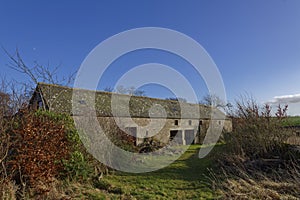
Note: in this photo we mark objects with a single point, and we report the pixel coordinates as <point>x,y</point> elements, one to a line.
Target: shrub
<point>46,146</point>
<point>5,145</point>
<point>150,145</point>
<point>77,167</point>
<point>256,133</point>
<point>259,164</point>
<point>39,145</point>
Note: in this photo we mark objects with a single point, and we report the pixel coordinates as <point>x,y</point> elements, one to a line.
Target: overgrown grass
<point>239,178</point>
<point>186,178</point>
<point>258,162</point>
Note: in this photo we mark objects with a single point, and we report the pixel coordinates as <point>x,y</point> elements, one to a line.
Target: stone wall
<point>160,129</point>
<point>59,99</point>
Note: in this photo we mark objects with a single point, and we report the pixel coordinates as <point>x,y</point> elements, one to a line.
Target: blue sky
<point>254,43</point>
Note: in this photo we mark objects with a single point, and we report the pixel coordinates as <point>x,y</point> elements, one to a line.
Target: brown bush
<point>39,145</point>
<point>258,163</point>
<point>256,133</point>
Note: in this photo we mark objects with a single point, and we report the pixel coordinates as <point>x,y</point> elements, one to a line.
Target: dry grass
<point>58,190</point>
<point>294,140</point>
<point>244,179</point>
<point>8,190</point>
<point>262,160</point>
<point>252,189</point>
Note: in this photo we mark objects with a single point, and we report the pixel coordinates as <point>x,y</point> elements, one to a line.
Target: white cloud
<point>293,102</point>
<point>294,98</point>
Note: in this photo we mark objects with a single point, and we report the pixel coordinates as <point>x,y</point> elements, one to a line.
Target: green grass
<point>292,121</point>
<point>186,178</point>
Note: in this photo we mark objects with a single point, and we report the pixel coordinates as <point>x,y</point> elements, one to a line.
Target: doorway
<point>189,137</point>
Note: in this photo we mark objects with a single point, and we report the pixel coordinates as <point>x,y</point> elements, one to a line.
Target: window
<point>190,122</point>
<point>200,122</point>
<point>176,122</point>
<point>82,102</point>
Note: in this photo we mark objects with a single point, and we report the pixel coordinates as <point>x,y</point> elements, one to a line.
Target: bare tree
<point>215,101</point>
<point>9,103</point>
<point>4,102</point>
<point>12,97</point>
<point>38,73</point>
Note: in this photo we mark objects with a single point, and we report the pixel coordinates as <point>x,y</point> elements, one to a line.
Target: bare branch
<point>38,73</point>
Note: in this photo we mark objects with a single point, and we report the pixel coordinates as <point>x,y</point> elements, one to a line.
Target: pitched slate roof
<point>59,99</point>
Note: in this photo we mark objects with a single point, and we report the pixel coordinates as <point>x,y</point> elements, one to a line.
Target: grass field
<point>186,178</point>
<point>292,121</point>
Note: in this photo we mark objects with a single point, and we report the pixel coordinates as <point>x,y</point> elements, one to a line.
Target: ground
<point>186,178</point>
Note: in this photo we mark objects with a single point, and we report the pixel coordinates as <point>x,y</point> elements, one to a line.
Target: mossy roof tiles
<point>59,99</point>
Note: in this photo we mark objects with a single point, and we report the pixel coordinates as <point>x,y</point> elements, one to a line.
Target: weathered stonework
<point>163,123</point>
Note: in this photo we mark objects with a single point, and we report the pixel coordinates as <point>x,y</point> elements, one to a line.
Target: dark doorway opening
<point>173,134</point>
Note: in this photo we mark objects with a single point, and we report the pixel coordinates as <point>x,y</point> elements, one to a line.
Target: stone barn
<point>189,128</point>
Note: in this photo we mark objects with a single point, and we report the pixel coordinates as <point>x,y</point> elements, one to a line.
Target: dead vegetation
<point>258,163</point>
<point>38,146</point>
